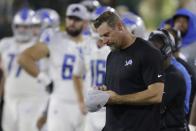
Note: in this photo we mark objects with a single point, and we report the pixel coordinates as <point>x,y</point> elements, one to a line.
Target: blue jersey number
<point>98,72</point>
<point>11,63</point>
<point>67,69</point>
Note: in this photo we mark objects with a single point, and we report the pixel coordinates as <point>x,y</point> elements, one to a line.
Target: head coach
<point>134,78</point>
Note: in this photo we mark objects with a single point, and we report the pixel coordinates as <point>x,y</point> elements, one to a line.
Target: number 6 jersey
<point>62,56</point>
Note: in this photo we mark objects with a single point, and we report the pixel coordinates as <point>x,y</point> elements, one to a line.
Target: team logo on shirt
<point>159,75</point>
<point>76,9</point>
<point>128,62</point>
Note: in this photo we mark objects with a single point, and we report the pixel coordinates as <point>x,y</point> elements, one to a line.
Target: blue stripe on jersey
<point>187,78</point>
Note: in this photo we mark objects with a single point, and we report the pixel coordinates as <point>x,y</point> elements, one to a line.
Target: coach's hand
<point>102,88</point>
<point>41,121</point>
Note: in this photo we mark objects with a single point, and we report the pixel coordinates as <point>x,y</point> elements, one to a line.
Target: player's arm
<point>192,123</point>
<point>78,84</point>
<point>79,71</point>
<point>28,61</point>
<point>30,56</point>
<point>43,118</point>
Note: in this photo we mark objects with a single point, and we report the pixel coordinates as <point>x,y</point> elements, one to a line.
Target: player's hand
<point>41,121</point>
<point>45,81</point>
<point>83,108</point>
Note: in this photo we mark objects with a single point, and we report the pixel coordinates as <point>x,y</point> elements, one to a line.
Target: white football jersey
<point>18,83</point>
<point>45,37</point>
<point>92,64</point>
<point>62,56</point>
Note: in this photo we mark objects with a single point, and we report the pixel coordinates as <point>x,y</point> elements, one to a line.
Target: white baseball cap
<point>77,10</point>
<point>96,99</point>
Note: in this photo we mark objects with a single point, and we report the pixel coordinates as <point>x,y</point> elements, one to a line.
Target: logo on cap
<point>76,9</point>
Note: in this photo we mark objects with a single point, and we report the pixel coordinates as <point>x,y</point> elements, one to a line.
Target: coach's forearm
<point>28,64</point>
<point>137,99</point>
<point>147,97</point>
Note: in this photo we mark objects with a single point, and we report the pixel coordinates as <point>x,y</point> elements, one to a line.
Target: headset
<point>167,41</point>
<point>177,35</point>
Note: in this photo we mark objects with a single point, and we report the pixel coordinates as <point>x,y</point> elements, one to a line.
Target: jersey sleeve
<point>152,66</point>
<point>79,65</point>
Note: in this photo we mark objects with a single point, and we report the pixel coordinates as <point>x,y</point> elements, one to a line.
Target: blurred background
<point>152,11</point>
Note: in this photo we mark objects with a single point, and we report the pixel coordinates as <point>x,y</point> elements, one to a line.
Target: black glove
<point>45,81</point>
<point>50,87</point>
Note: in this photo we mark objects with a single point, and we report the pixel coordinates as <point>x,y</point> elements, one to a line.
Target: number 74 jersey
<point>18,83</point>
<point>92,65</point>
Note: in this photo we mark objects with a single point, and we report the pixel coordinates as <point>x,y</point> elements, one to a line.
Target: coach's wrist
<point>192,127</point>
<point>114,98</point>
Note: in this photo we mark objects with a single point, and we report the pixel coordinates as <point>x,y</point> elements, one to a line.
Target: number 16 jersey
<point>92,64</point>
